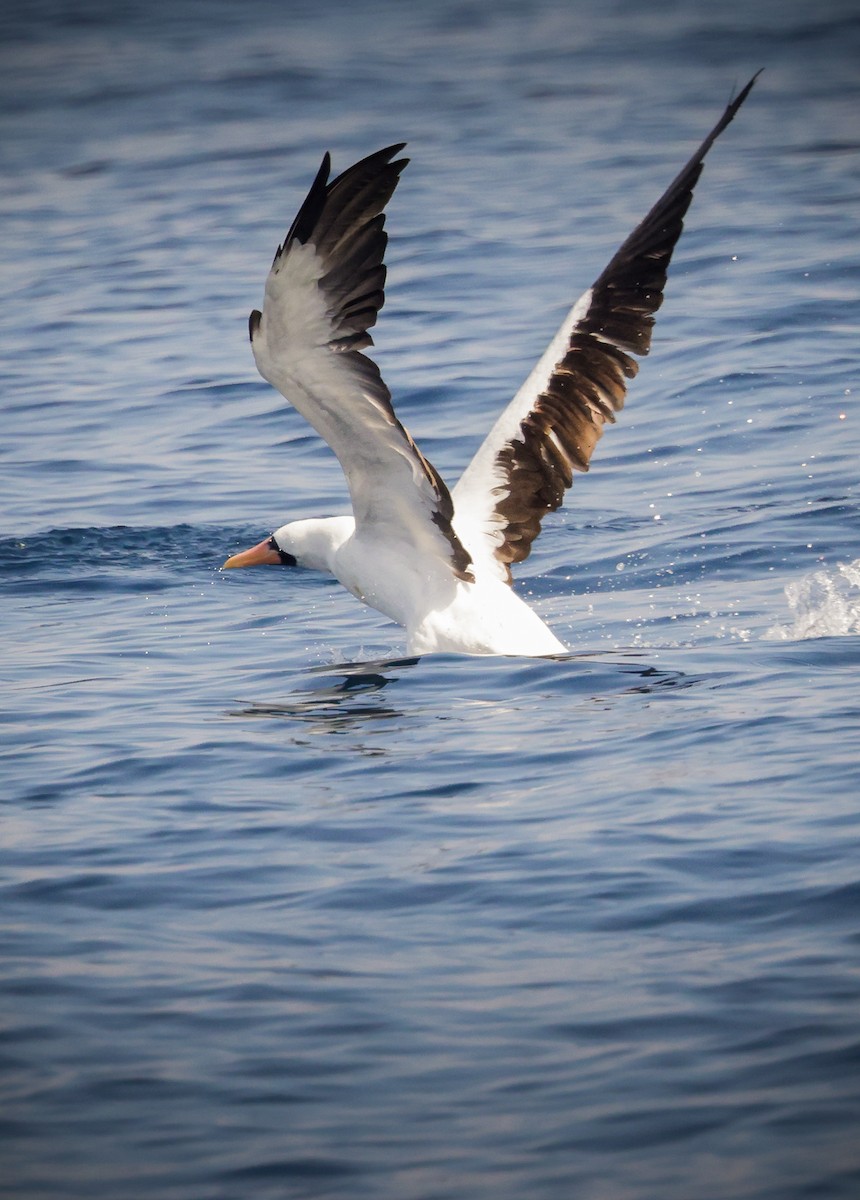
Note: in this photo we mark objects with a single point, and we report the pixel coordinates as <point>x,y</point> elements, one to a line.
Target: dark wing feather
<point>551,427</point>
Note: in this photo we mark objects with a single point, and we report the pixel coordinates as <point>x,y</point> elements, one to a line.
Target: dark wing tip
<point>735,104</point>
<point>727,117</point>
<point>308,215</point>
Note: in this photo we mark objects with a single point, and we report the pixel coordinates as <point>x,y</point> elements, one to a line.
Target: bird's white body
<point>438,562</point>
<point>438,611</point>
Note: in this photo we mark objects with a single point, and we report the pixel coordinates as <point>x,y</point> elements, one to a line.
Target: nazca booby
<point>439,562</point>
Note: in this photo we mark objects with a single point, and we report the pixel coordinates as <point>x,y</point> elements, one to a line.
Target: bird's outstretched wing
<point>323,293</point>
<point>550,428</point>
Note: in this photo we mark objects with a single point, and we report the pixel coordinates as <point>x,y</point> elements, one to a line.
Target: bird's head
<point>311,543</point>
<point>273,550</point>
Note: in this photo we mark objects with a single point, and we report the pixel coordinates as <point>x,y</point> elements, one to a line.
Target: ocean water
<point>284,913</point>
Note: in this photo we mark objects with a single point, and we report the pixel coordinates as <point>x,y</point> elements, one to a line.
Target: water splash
<point>825,603</point>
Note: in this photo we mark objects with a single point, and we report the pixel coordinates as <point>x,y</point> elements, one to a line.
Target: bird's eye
<point>287,560</point>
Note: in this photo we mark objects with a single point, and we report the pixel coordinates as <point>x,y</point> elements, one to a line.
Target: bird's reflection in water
<point>337,699</point>
<point>357,696</point>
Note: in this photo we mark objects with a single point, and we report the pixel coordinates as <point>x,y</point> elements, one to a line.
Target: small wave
<point>61,549</point>
<point>825,603</point>
<point>115,559</point>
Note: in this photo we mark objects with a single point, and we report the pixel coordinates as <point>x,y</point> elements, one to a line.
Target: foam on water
<point>825,603</point>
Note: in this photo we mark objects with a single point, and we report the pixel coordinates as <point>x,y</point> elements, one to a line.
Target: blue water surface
<point>285,913</point>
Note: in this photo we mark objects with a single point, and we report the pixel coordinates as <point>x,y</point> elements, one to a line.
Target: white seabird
<point>434,561</point>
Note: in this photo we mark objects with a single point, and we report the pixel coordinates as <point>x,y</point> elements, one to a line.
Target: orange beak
<point>255,557</point>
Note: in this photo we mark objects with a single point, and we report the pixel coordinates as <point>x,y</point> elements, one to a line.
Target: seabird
<point>438,562</point>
